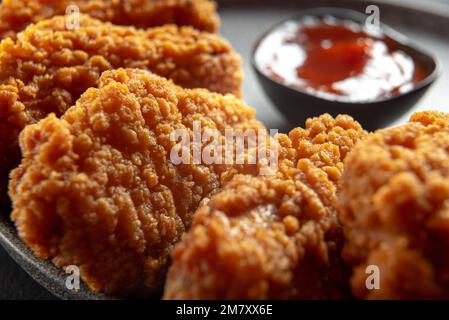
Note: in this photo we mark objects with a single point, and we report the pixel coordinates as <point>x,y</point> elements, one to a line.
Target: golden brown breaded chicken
<point>272,237</point>
<point>48,67</point>
<point>16,15</point>
<point>394,205</point>
<point>97,189</point>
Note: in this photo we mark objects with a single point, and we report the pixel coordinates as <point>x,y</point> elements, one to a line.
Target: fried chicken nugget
<point>49,67</point>
<point>97,189</point>
<point>272,237</point>
<point>16,15</point>
<point>394,205</point>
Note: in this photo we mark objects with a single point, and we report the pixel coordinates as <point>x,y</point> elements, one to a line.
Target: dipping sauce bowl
<point>330,60</point>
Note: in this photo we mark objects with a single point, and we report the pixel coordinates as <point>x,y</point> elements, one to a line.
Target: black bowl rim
<point>356,16</point>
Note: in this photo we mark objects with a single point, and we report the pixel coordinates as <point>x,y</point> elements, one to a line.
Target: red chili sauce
<point>337,59</point>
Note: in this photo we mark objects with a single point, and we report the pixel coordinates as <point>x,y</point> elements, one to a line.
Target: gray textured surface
<point>16,283</point>
<point>242,25</point>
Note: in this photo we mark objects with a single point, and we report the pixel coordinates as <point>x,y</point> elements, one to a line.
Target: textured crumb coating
<point>272,237</point>
<point>394,205</point>
<point>16,15</point>
<point>48,67</point>
<point>97,189</point>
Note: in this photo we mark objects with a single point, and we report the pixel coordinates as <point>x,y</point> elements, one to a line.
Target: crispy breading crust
<point>394,205</point>
<point>16,15</point>
<point>96,188</point>
<point>49,67</point>
<point>273,237</point>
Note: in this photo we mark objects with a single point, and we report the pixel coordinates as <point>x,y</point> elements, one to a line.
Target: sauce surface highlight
<point>337,59</point>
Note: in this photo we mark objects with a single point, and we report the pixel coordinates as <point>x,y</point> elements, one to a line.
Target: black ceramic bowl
<point>298,105</point>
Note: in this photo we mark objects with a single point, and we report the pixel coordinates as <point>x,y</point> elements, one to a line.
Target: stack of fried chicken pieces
<point>89,104</point>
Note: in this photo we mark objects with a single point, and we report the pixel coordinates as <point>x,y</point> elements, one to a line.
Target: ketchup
<point>337,59</point>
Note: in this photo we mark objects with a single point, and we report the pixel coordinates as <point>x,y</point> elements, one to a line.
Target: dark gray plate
<point>427,22</point>
<point>44,272</point>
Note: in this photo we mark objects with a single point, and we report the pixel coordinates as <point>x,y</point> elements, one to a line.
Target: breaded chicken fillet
<point>48,67</point>
<point>97,187</point>
<point>16,15</point>
<point>394,205</point>
<point>272,237</point>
